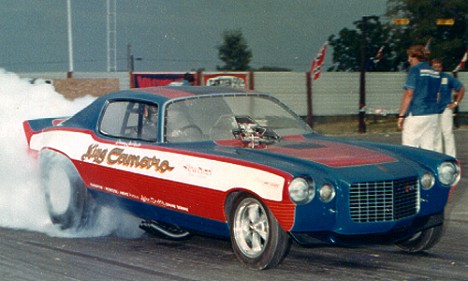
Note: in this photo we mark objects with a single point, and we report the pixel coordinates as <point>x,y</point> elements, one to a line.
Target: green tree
<point>446,42</point>
<point>347,47</point>
<point>234,51</point>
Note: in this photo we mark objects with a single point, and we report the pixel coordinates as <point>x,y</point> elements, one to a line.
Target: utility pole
<point>130,59</point>
<point>70,40</point>
<point>111,36</point>
<point>310,118</point>
<point>362,77</point>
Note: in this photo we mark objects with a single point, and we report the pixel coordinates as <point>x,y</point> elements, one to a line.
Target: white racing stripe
<point>128,156</point>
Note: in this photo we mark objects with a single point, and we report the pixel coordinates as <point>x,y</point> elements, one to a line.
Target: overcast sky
<point>171,35</point>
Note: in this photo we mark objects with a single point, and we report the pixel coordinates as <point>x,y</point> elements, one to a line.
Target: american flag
<point>378,56</point>
<point>461,65</point>
<point>315,68</point>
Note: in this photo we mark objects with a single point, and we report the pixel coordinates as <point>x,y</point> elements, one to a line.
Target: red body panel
<point>334,154</point>
<point>190,199</point>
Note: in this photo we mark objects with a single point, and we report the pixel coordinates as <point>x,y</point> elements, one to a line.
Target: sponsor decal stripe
<point>165,164</point>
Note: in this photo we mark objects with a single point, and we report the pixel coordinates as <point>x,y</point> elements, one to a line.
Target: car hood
<point>324,157</point>
<point>328,152</point>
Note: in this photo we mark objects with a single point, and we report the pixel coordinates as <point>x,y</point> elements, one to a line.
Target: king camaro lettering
<point>94,153</point>
<point>117,156</point>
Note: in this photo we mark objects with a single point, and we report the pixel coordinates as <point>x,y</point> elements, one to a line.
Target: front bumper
<point>399,233</point>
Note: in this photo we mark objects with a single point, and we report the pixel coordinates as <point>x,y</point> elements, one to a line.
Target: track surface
<point>35,256</point>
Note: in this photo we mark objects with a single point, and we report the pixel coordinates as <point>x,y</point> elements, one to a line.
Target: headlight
<point>449,173</point>
<point>327,193</point>
<point>427,181</point>
<point>301,190</point>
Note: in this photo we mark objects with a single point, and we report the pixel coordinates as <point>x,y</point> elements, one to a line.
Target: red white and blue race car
<point>239,164</point>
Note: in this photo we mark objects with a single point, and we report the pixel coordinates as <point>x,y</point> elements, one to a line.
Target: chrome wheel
<point>257,239</point>
<point>251,228</point>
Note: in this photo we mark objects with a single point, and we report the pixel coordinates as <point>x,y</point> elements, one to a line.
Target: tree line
<point>441,25</point>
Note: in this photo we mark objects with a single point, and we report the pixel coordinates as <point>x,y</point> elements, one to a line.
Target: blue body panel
<point>332,216</point>
<point>325,219</point>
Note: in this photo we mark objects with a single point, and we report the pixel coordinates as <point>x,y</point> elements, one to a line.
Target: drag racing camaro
<point>240,165</point>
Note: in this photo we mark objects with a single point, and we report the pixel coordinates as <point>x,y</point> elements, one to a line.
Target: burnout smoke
<point>22,204</point>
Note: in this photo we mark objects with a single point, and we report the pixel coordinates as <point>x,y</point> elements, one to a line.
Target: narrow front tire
<point>423,240</point>
<point>257,239</point>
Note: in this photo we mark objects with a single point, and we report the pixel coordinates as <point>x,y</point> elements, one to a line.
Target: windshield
<point>227,117</point>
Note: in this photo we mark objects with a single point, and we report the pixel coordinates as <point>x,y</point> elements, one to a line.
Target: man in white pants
<point>418,117</point>
<point>445,140</point>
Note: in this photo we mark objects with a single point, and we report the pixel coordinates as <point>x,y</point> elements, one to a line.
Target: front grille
<point>381,201</point>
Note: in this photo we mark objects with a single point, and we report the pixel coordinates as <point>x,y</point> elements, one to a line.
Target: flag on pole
<point>378,56</point>
<point>315,68</point>
<point>461,65</point>
<point>428,44</point>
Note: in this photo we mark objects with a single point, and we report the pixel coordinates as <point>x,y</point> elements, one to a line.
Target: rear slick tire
<point>67,199</point>
<point>257,239</point>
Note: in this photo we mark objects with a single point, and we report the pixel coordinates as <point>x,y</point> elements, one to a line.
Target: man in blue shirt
<point>418,116</point>
<point>445,141</point>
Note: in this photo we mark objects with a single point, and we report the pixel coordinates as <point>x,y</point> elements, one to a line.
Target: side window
<point>130,120</point>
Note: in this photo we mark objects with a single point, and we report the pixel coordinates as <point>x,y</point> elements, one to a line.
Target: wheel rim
<point>59,191</point>
<point>251,228</point>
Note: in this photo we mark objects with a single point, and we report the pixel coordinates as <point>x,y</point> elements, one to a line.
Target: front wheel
<point>257,239</point>
<point>423,240</point>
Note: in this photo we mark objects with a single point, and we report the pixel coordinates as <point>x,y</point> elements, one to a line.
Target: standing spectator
<point>418,117</point>
<point>445,141</point>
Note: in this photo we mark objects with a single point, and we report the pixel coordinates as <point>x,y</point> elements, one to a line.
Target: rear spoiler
<point>35,126</point>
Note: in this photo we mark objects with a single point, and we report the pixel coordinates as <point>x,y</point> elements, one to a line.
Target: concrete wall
<point>83,83</point>
<point>289,87</point>
<point>334,93</point>
<point>337,93</point>
<point>74,88</point>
